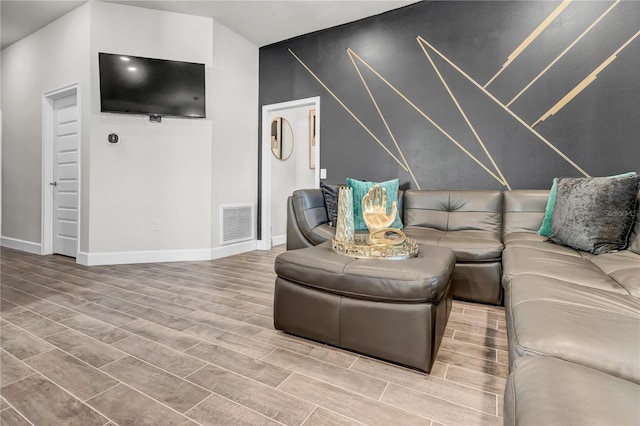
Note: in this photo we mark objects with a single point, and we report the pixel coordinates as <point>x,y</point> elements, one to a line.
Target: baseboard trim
<point>22,245</point>
<point>127,257</point>
<point>231,249</point>
<point>263,245</point>
<point>278,240</point>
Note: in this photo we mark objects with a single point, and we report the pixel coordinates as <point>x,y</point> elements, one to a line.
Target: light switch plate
<point>323,173</point>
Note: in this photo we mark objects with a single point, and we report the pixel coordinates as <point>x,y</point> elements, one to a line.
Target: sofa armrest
<point>295,237</point>
<point>310,213</point>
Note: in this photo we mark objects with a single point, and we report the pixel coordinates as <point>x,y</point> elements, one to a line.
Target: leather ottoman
<point>395,310</point>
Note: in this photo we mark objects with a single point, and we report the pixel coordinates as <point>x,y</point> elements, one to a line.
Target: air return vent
<point>237,223</point>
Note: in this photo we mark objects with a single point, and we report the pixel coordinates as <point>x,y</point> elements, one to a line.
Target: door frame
<point>264,243</point>
<point>48,100</point>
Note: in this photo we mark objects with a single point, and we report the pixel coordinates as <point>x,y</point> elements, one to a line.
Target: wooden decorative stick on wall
<point>466,119</point>
<point>426,117</point>
<point>584,33</point>
<point>583,84</point>
<point>393,138</point>
<point>348,110</point>
<point>549,19</point>
<point>504,107</point>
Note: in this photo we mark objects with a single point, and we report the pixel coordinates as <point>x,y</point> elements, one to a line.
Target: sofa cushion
<point>420,279</point>
<point>522,238</point>
<point>469,246</point>
<point>547,391</point>
<point>596,214</point>
<point>587,326</point>
<point>454,210</point>
<point>623,266</point>
<point>523,210</point>
<point>553,261</point>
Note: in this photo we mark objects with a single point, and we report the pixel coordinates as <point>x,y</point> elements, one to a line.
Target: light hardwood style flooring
<point>193,343</point>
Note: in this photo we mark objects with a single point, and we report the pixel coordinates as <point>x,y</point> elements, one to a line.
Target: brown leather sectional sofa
<point>573,318</point>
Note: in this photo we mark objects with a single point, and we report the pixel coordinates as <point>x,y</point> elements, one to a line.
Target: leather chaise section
<point>548,391</point>
<point>623,267</point>
<point>586,326</point>
<point>563,266</point>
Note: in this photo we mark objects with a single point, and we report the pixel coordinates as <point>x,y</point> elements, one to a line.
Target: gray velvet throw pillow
<point>594,214</point>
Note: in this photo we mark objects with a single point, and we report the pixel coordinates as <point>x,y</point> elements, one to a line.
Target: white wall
<point>51,58</point>
<point>234,112</point>
<point>159,172</point>
<point>293,173</point>
<point>176,174</point>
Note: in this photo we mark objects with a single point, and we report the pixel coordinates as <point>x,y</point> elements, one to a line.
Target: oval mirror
<point>281,138</point>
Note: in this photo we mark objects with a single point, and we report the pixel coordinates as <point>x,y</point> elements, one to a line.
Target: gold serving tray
<point>361,249</point>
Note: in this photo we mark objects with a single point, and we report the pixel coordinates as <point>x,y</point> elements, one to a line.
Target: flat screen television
<point>155,87</point>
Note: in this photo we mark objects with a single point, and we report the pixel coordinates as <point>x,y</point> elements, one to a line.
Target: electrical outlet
<point>156,225</point>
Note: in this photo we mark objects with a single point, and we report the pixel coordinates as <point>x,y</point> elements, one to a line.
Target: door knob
<point>53,183</point>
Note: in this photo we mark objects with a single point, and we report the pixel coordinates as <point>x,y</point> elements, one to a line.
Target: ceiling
<point>261,22</point>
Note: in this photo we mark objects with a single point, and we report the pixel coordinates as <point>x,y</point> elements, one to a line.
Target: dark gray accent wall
<point>599,129</point>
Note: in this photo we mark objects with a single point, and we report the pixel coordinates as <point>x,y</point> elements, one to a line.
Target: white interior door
<point>65,175</point>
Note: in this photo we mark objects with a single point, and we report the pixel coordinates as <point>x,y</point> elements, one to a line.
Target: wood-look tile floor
<point>193,343</point>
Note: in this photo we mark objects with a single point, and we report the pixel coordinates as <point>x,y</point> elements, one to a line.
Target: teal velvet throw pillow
<point>360,189</point>
<point>545,228</point>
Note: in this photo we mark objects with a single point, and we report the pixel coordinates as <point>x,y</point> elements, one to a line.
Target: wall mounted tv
<point>154,87</point>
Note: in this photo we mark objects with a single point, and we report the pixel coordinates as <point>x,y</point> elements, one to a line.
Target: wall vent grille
<point>237,223</point>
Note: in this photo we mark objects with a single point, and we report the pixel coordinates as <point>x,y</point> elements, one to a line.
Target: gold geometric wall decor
<point>504,107</point>
<point>466,119</point>
<point>426,117</point>
<point>527,41</point>
<point>386,125</point>
<point>568,48</point>
<point>366,129</point>
<point>583,84</point>
<point>427,48</point>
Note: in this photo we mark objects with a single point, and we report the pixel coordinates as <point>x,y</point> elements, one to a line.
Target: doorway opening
<point>282,174</point>
<point>61,171</point>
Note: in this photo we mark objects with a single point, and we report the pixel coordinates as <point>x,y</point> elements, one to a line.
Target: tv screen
<point>135,85</point>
